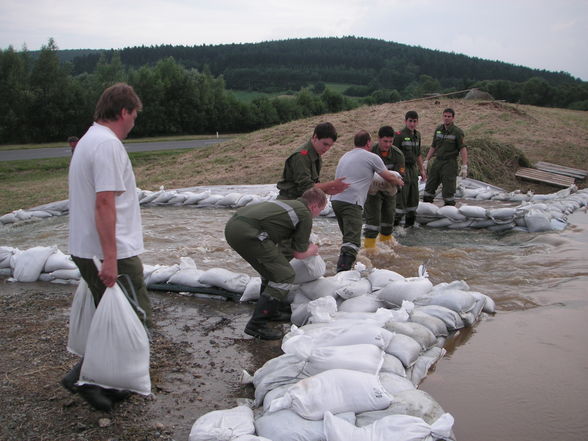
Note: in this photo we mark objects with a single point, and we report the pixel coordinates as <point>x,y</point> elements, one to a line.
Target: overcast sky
<point>550,35</point>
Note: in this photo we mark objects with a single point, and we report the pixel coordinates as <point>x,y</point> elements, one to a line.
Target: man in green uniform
<point>447,145</point>
<point>255,231</point>
<point>380,207</point>
<point>408,140</point>
<point>302,169</point>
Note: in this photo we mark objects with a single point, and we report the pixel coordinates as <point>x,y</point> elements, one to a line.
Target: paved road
<point>58,152</point>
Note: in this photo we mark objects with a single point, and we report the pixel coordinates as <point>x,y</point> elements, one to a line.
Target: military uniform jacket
<point>393,158</point>
<point>410,145</point>
<point>447,142</point>
<point>301,172</point>
<point>280,220</point>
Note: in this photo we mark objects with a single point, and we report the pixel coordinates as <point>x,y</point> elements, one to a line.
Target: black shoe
<point>262,332</point>
<point>71,378</point>
<point>96,397</point>
<point>345,262</point>
<point>283,313</point>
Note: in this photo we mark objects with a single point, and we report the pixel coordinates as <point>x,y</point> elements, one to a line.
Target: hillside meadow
<point>502,137</point>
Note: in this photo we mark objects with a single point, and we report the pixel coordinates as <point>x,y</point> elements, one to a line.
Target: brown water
<point>519,375</point>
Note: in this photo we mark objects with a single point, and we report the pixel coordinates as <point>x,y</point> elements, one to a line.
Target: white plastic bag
<point>308,269</point>
<point>117,350</point>
<point>80,318</point>
<point>223,425</point>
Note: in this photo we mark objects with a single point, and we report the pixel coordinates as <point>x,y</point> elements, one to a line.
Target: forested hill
<point>295,63</point>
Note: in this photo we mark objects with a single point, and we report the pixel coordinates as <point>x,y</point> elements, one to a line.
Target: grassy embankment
<point>500,137</point>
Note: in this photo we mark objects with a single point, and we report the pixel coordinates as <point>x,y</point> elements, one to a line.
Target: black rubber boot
<point>96,397</point>
<point>71,378</point>
<point>345,262</point>
<point>410,219</point>
<point>397,220</point>
<point>283,314</point>
<point>450,203</point>
<point>257,326</point>
<point>428,199</point>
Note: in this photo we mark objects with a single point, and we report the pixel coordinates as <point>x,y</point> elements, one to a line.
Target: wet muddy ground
<point>197,354</point>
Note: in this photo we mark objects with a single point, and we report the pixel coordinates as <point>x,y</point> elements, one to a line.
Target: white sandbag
<point>252,290</point>
<point>66,274</point>
<point>308,269</point>
<point>395,384</point>
<point>280,371</point>
<point>393,427</point>
<point>537,221</point>
<point>435,325</point>
<point>287,425</point>
<point>193,198</point>
<point>223,425</point>
<point>408,289</point>
<point>210,201</point>
<point>8,218</point>
<point>502,213</point>
<point>363,303</point>
<point>56,261</point>
<point>163,197</point>
<point>322,287</point>
<point>380,184</point>
<point>440,223</point>
<point>362,358</point>
<point>117,349</point>
<point>452,319</point>
<point>80,318</point>
<point>392,365</point>
<point>405,348</point>
<point>188,274</point>
<point>473,211</point>
<point>489,304</point>
<point>335,391</point>
<point>163,274</point>
<point>379,278</point>
<point>418,371</point>
<point>454,299</point>
<point>229,200</point>
<point>29,264</point>
<point>354,288</point>
<point>427,209</point>
<point>421,334</point>
<point>223,278</point>
<point>451,212</point>
<point>6,254</point>
<point>322,310</point>
<point>277,392</point>
<point>416,402</point>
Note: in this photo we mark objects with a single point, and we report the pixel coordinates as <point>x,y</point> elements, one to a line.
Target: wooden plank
<point>562,170</point>
<point>546,177</point>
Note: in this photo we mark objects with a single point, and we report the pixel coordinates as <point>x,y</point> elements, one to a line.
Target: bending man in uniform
<point>380,207</point>
<point>447,145</point>
<point>255,232</point>
<point>359,166</point>
<point>302,169</point>
<point>104,215</point>
<point>408,140</point>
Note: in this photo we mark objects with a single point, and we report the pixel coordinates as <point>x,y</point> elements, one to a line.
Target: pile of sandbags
<point>351,371</point>
<point>47,264</point>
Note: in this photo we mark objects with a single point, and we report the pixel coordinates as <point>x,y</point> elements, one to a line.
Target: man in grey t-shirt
<point>358,166</point>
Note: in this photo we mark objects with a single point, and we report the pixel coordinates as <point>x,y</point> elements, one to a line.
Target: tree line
<point>186,90</point>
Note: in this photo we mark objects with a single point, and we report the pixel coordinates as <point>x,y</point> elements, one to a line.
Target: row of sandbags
<point>545,215</point>
<point>351,371</point>
<point>229,197</point>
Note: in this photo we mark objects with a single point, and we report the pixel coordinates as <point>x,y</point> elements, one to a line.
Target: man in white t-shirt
<point>104,215</point>
<point>358,166</point>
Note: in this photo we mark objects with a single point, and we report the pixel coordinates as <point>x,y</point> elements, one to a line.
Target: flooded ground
<point>518,375</point>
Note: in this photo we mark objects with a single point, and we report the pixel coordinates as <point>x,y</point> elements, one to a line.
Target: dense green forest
<point>50,94</point>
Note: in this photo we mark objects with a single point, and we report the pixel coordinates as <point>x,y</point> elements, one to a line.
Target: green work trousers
<point>443,171</point>
<point>379,210</point>
<point>350,220</point>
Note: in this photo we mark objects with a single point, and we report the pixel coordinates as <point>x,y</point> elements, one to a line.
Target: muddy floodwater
<point>519,375</point>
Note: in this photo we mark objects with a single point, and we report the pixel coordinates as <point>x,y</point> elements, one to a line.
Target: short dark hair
<point>315,196</point>
<point>386,132</point>
<point>411,114</point>
<point>73,139</point>
<point>114,99</point>
<point>325,130</point>
<point>449,110</point>
<point>361,138</point>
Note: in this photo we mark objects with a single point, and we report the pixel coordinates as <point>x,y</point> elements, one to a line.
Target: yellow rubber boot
<point>369,243</point>
<point>387,239</point>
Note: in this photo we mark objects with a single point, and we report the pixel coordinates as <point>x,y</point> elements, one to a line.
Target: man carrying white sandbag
<point>358,167</point>
<point>257,232</point>
<point>105,218</point>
